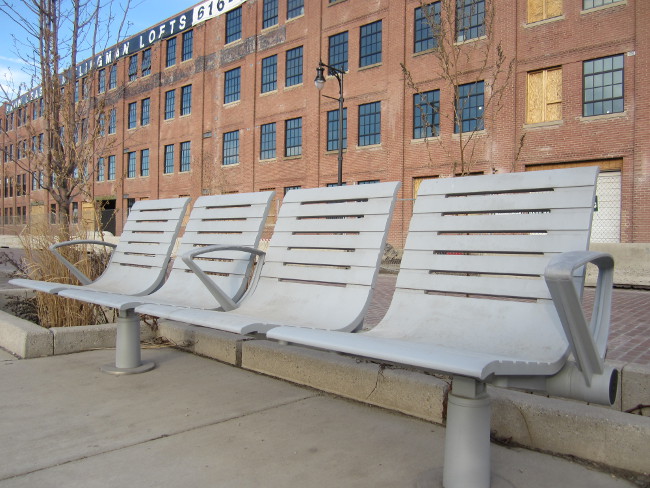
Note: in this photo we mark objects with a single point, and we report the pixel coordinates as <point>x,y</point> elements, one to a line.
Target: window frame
<point>186,100</point>
<point>230,148</point>
<point>294,66</point>
<point>338,51</point>
<point>187,48</point>
<point>233,25</point>
<point>270,13</point>
<point>269,82</point>
<point>332,143</point>
<point>604,73</point>
<point>470,24</point>
<point>132,119</point>
<point>170,52</point>
<point>370,44</point>
<point>423,37</point>
<point>268,141</point>
<point>293,137</point>
<point>369,124</point>
<point>186,156</point>
<point>170,104</point>
<point>168,159</point>
<point>475,123</point>
<point>426,123</point>
<point>232,85</point>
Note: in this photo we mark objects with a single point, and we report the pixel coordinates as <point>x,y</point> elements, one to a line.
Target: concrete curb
<point>603,435</point>
<point>28,340</point>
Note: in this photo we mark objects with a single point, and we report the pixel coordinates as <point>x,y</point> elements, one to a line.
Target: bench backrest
<point>472,273</point>
<point>139,262</point>
<point>231,219</point>
<point>323,258</point>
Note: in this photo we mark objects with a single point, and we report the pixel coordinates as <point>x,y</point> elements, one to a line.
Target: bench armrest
<point>588,342</point>
<point>224,300</point>
<point>83,279</point>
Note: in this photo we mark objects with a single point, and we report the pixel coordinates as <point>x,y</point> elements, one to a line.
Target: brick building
<point>220,98</point>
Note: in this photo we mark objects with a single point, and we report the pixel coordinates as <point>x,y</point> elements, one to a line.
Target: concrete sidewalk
<point>195,422</point>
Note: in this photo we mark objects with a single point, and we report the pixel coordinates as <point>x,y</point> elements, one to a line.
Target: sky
<point>141,15</point>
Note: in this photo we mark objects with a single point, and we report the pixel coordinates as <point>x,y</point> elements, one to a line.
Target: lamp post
<point>320,82</point>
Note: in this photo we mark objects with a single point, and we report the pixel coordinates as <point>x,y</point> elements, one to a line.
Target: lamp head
<point>320,78</point>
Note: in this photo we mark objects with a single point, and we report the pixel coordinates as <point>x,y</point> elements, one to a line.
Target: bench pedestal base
<point>467,437</point>
<point>127,347</point>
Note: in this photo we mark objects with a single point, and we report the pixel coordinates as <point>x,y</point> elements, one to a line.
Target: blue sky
<point>141,14</point>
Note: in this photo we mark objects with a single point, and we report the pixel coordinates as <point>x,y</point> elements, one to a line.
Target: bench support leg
<point>127,347</point>
<point>467,439</point>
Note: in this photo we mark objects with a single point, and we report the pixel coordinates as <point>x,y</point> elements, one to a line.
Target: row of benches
<point>488,291</point>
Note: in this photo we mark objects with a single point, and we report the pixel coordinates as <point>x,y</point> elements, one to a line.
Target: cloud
<point>12,60</point>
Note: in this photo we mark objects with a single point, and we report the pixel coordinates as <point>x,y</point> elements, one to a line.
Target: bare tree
<point>469,61</point>
<point>58,149</point>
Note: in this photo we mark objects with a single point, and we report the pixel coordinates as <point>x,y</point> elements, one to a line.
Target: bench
<point>320,268</point>
<point>489,291</point>
<point>233,219</point>
<point>139,260</point>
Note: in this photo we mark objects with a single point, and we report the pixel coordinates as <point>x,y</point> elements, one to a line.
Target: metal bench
<point>489,292</point>
<point>139,261</point>
<point>231,219</point>
<point>320,267</point>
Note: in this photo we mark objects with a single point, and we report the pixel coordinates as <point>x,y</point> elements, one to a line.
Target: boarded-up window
<point>543,9</point>
<point>417,182</point>
<point>544,102</point>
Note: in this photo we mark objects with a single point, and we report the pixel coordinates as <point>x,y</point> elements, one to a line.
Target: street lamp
<point>320,83</point>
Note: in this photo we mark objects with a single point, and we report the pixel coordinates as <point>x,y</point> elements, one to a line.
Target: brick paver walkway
<point>629,337</point>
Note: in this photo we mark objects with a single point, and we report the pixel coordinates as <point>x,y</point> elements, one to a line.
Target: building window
<point>188,45</point>
<point>367,182</point>
<point>101,81</point>
<point>186,100</point>
<point>231,148</point>
<point>295,8</point>
<point>543,9</point>
<point>333,129</point>
<point>425,17</point>
<point>233,25</point>
<point>186,156</point>
<point>133,115</point>
<point>470,19</point>
<point>603,86</point>
<point>469,107</point>
<point>287,189</point>
<point>169,159</point>
<point>270,74</point>
<point>111,168</point>
<point>338,51</point>
<point>146,62</point>
<point>232,85</point>
<point>370,124</point>
<point>293,137</point>
<point>112,121</point>
<point>112,77</point>
<point>544,96</point>
<point>170,59</point>
<point>269,13</point>
<point>170,104</point>
<point>267,141</point>
<point>293,75</point>
<point>145,111</point>
<point>144,162</point>
<point>133,67</point>
<point>426,114</point>
<point>587,4</point>
<point>370,44</point>
<point>130,166</point>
